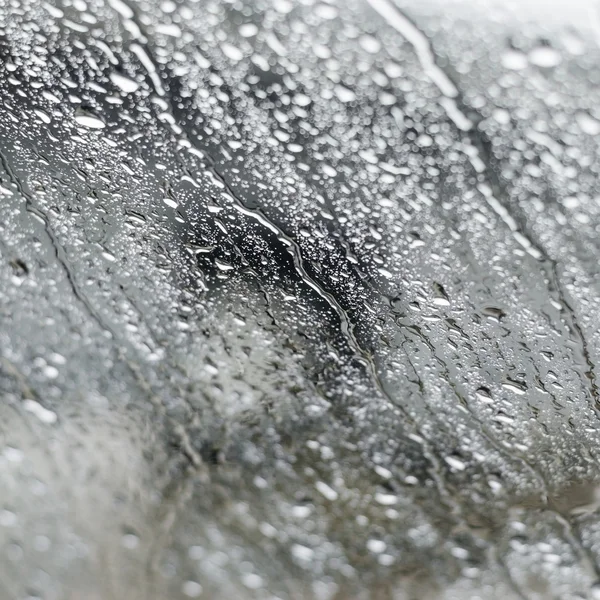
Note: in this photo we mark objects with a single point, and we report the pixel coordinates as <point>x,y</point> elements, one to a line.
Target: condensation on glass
<point>299,300</point>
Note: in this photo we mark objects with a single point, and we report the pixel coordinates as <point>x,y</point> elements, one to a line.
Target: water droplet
<point>86,118</point>
<point>515,387</point>
<point>376,546</point>
<point>344,94</point>
<point>43,414</point>
<point>248,30</point>
<point>302,552</point>
<point>514,60</point>
<point>125,84</point>
<point>455,463</point>
<point>544,56</point>
<point>191,589</point>
<point>232,52</point>
<point>327,491</point>
<point>588,124</point>
<point>370,44</point>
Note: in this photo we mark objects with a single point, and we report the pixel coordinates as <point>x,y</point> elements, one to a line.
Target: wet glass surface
<point>299,299</point>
